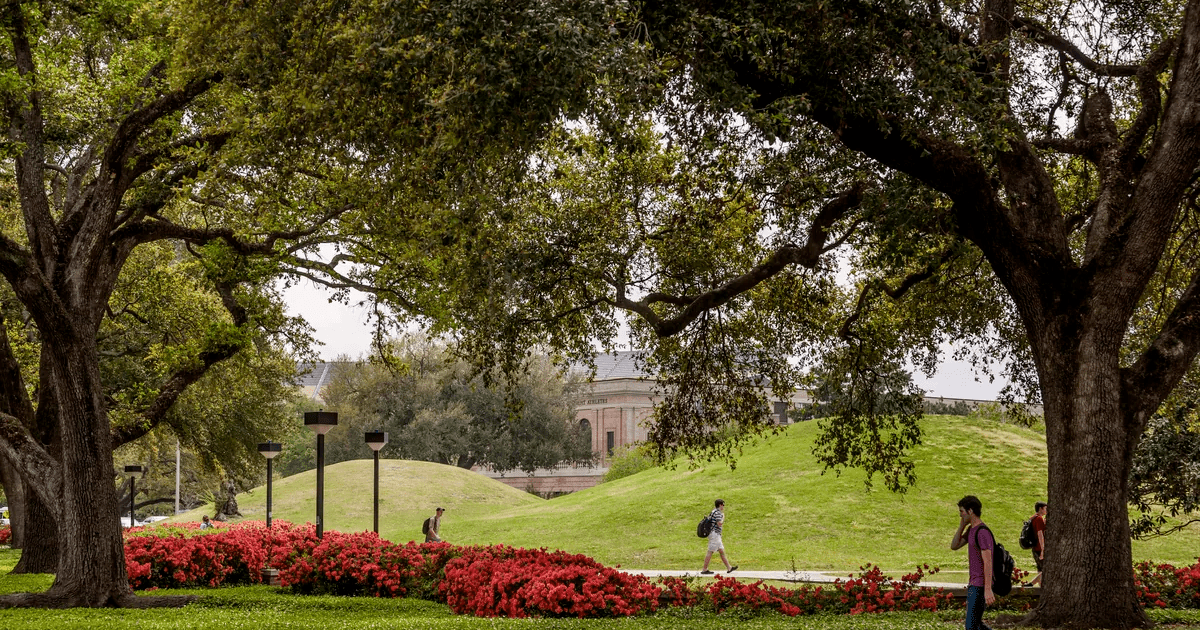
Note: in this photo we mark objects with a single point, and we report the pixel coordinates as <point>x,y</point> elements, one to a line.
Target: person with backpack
<point>980,543</point>
<point>717,520</point>
<point>432,526</point>
<point>1038,526</point>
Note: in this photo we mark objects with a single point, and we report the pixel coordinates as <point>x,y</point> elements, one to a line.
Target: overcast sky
<point>344,330</point>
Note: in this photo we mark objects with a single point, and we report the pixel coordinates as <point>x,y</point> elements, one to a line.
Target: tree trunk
<point>91,571</point>
<point>40,553</point>
<point>1088,579</point>
<point>14,491</point>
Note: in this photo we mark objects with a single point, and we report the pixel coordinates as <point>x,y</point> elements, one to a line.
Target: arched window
<point>585,428</point>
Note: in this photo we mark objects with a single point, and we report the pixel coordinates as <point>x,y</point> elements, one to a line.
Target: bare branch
<point>910,281</point>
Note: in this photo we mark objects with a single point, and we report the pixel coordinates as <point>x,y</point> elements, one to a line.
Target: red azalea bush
<point>1162,585</point>
<point>870,592</point>
<point>187,557</point>
<point>365,564</point>
<point>5,534</point>
<point>502,581</point>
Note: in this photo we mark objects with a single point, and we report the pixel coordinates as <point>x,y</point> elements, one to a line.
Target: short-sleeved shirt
<point>718,518</point>
<point>1039,525</point>
<point>974,553</point>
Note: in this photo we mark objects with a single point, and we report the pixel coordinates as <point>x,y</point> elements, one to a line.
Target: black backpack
<point>425,526</point>
<point>1028,537</point>
<point>1002,565</point>
<point>704,528</point>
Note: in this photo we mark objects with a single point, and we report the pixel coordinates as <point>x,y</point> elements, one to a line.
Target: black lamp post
<point>269,450</point>
<point>376,440</point>
<point>133,471</point>
<point>321,422</point>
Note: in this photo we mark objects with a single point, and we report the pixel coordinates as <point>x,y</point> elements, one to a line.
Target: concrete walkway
<point>957,589</point>
<point>808,577</point>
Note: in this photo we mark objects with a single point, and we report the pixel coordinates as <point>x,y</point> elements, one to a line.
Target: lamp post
<point>321,422</point>
<point>269,450</point>
<point>133,471</point>
<point>376,440</point>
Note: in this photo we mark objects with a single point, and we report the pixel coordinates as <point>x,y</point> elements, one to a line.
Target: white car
<point>4,516</point>
<point>125,522</point>
<point>155,519</point>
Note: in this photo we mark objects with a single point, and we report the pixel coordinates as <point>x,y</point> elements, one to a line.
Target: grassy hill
<point>408,493</point>
<point>781,511</point>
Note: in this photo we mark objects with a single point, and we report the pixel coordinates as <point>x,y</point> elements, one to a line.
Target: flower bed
<point>504,581</point>
<point>5,534</point>
<point>1163,586</point>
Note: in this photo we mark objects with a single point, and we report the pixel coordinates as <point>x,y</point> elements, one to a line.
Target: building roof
<point>314,376</point>
<point>615,365</point>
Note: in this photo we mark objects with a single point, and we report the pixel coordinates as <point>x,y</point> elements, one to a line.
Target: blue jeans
<point>975,606</point>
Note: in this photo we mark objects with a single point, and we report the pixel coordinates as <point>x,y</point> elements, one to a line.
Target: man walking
<point>979,541</point>
<point>1038,523</point>
<point>432,526</point>
<point>714,538</point>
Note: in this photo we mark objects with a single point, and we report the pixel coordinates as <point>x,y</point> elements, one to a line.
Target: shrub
<point>1162,585</point>
<point>502,581</point>
<point>5,534</point>
<point>628,460</point>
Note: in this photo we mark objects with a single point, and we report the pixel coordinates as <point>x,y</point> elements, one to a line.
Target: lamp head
<point>269,449</point>
<point>376,439</point>
<point>320,421</point>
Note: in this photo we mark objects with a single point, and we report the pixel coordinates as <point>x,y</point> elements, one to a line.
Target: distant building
<point>314,376</point>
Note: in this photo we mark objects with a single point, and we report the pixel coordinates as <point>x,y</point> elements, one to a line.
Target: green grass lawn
<point>266,607</point>
<point>782,511</point>
<point>408,493</point>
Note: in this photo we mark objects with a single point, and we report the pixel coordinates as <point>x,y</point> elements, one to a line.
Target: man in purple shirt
<point>978,539</point>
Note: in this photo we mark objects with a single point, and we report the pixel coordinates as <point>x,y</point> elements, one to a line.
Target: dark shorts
<point>1037,561</point>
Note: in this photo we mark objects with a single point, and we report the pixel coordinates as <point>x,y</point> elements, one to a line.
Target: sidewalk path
<point>812,577</point>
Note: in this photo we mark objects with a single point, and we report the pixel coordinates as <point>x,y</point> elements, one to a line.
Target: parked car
<point>155,519</point>
<point>4,516</point>
<point>125,522</point>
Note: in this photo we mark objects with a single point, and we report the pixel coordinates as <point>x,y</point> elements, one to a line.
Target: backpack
<point>1028,539</point>
<point>1002,565</point>
<point>704,528</point>
<point>425,526</point>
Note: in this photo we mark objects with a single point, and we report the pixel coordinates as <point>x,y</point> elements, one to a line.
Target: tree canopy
<point>1017,178</point>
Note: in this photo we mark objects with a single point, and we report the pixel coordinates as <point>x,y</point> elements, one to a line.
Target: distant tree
<point>437,409</point>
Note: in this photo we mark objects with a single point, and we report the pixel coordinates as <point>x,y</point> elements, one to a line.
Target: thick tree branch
<point>1130,252</point>
<point>120,150</point>
<point>14,398</point>
<point>30,163</point>
<point>1146,383</point>
<point>807,256</point>
<point>38,469</point>
<point>1042,35</point>
<point>184,377</point>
